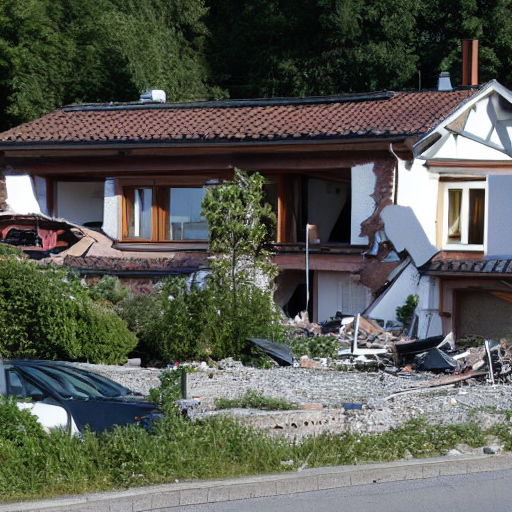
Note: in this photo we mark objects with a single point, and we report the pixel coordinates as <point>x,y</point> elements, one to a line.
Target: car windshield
<point>73,384</point>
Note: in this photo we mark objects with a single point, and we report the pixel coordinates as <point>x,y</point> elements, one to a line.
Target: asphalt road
<point>477,492</point>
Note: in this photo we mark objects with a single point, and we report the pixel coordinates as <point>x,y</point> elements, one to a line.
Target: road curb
<point>199,492</point>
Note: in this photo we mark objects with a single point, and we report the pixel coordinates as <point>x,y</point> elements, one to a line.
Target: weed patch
<point>254,400</point>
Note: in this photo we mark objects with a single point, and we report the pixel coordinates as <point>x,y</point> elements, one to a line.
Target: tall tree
<point>309,47</point>
<point>55,52</point>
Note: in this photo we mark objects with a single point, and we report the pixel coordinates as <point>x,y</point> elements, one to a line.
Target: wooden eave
<point>117,160</point>
<point>470,166</point>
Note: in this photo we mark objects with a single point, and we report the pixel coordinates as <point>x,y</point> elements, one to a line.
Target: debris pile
<point>361,343</point>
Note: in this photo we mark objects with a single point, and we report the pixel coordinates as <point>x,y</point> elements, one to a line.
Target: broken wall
<point>340,291</point>
<point>79,202</point>
<point>407,283</point>
<point>21,196</point>
<point>410,282</point>
<point>326,200</point>
<point>418,189</point>
<point>363,204</point>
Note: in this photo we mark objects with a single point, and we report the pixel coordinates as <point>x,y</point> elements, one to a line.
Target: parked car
<point>61,395</point>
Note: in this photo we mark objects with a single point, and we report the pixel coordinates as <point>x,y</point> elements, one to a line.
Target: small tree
<point>240,225</point>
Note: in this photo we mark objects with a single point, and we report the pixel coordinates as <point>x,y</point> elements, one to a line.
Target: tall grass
<point>35,465</point>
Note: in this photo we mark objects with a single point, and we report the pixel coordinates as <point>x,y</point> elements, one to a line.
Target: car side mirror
<point>37,396</point>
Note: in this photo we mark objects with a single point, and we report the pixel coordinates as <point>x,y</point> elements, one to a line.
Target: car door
<point>31,397</point>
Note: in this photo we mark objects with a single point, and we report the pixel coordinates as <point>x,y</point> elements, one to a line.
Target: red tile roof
<point>383,114</point>
<point>495,267</point>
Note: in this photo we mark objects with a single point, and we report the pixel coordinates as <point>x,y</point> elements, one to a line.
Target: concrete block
<point>453,468</point>
<point>125,505</point>
<point>263,489</point>
<point>142,503</point>
<point>240,492</point>
<point>165,499</point>
<point>367,476</point>
<point>396,474</point>
<point>193,496</point>
<point>288,486</point>
<point>333,481</point>
<point>308,483</point>
<point>218,494</point>
<point>489,463</point>
<point>97,506</point>
<point>431,470</point>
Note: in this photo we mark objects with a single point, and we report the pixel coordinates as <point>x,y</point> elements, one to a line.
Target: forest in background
<point>58,52</point>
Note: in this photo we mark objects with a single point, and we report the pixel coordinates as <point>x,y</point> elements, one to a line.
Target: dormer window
<point>464,215</point>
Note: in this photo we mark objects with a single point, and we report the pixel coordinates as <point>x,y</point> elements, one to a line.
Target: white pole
<point>307,267</point>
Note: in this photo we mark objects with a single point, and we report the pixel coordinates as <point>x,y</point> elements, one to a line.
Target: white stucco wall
<point>111,208</point>
<point>410,283</point>
<point>20,195</point>
<point>499,217</point>
<point>79,202</point>
<point>363,205</point>
<point>384,308</point>
<point>418,188</point>
<point>337,291</point>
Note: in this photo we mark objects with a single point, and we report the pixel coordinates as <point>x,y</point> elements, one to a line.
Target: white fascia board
<point>487,89</point>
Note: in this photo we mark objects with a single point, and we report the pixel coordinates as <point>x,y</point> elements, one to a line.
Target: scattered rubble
<point>376,380</point>
<point>363,342</point>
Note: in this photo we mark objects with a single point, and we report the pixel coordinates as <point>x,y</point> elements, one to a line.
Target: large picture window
<point>464,215</point>
<point>158,214</point>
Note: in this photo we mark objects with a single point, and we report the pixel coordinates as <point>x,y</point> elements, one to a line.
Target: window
<point>464,215</point>
<point>159,214</point>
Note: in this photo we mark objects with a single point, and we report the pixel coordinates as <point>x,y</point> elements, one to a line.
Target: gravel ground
<point>333,389</point>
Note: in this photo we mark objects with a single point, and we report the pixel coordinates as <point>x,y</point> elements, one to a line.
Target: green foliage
<point>142,313</point>
<point>315,346</point>
<point>17,427</point>
<point>240,225</point>
<point>46,313</point>
<point>109,289</point>
<point>238,219</point>
<point>405,313</point>
<point>272,48</point>
<point>56,52</point>
<point>10,250</point>
<point>254,400</point>
<point>179,333</point>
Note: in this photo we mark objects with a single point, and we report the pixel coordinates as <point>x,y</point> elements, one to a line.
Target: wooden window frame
<point>465,187</point>
<point>159,209</point>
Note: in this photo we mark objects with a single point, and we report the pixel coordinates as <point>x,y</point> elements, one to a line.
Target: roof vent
<point>443,82</point>
<point>153,96</point>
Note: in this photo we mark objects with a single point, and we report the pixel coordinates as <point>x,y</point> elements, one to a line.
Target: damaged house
<point>396,193</point>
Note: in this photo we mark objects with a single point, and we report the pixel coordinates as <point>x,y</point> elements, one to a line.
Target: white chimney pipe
<point>153,96</point>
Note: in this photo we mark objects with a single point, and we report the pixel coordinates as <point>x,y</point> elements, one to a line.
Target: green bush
<point>141,312</point>
<point>17,427</point>
<point>405,313</point>
<point>179,332</point>
<point>109,289</point>
<point>46,313</point>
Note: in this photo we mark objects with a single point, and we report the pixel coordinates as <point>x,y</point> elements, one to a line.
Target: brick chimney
<point>470,62</point>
